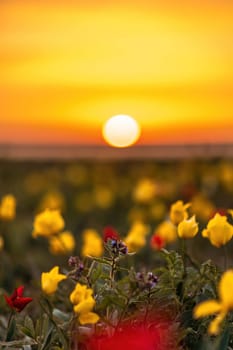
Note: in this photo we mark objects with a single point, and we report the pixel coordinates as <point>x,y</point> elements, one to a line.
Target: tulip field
<point>107,255</point>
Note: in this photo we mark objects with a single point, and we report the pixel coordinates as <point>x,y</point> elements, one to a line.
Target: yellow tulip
<point>80,293</point>
<point>7,207</point>
<point>48,223</point>
<point>63,243</point>
<point>178,212</point>
<point>50,280</point>
<point>93,244</point>
<point>218,230</point>
<point>84,302</point>
<point>221,307</point>
<point>188,228</point>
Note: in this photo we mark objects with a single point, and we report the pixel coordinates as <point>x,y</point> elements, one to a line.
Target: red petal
<point>19,291</point>
<point>9,301</point>
<point>157,242</point>
<point>20,303</point>
<point>110,233</point>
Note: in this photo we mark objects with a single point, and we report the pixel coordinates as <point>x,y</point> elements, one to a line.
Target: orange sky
<point>67,66</point>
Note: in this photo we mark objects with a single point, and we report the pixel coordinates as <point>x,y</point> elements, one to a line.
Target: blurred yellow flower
<point>188,228</point>
<point>7,207</point>
<point>167,231</point>
<point>50,280</point>
<point>84,202</point>
<point>221,307</point>
<point>226,175</point>
<point>136,237</point>
<point>103,197</point>
<point>218,230</point>
<point>158,210</point>
<point>230,211</point>
<point>63,243</point>
<point>84,302</point>
<point>1,243</point>
<point>202,207</point>
<point>144,191</point>
<point>52,200</point>
<point>77,175</point>
<point>48,223</point>
<point>178,212</point>
<point>92,243</point>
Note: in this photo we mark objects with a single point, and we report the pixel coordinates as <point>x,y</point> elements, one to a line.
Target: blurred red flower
<point>157,242</point>
<point>16,301</point>
<point>134,338</point>
<point>110,233</point>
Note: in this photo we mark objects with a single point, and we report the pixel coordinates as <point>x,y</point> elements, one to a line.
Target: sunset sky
<point>67,66</point>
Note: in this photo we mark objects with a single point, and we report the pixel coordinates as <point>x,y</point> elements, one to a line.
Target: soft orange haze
<point>67,66</point>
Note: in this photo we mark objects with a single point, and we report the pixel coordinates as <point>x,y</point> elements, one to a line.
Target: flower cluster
<point>50,224</point>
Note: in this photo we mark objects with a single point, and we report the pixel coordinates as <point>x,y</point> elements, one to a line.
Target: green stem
<point>89,273</point>
<point>183,251</point>
<point>63,337</point>
<point>9,323</point>
<point>112,272</point>
<point>225,265</point>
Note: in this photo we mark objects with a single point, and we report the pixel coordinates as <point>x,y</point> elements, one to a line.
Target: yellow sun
<point>121,131</point>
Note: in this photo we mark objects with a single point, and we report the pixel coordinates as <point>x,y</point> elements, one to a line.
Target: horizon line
<point>61,152</point>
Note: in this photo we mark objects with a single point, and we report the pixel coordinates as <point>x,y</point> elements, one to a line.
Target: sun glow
<point>121,131</point>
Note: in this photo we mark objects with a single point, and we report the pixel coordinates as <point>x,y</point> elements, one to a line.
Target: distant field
<point>166,152</point>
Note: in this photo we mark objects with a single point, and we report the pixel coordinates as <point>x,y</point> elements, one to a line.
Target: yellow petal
<point>188,228</point>
<point>205,233</point>
<point>214,326</point>
<point>50,280</point>
<point>84,306</point>
<point>225,289</point>
<point>207,308</point>
<point>89,317</point>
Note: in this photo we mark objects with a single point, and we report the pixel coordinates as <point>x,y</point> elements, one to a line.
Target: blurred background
<point>66,68</point>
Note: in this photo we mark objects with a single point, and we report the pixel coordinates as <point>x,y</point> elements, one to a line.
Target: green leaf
<point>25,331</point>
<point>63,316</point>
<point>28,324</point>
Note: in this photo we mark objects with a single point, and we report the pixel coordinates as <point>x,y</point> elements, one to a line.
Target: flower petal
<point>89,317</point>
<point>214,326</point>
<point>84,306</point>
<point>207,308</point>
<point>225,289</point>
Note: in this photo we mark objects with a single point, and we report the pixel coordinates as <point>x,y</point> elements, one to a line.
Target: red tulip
<point>16,301</point>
